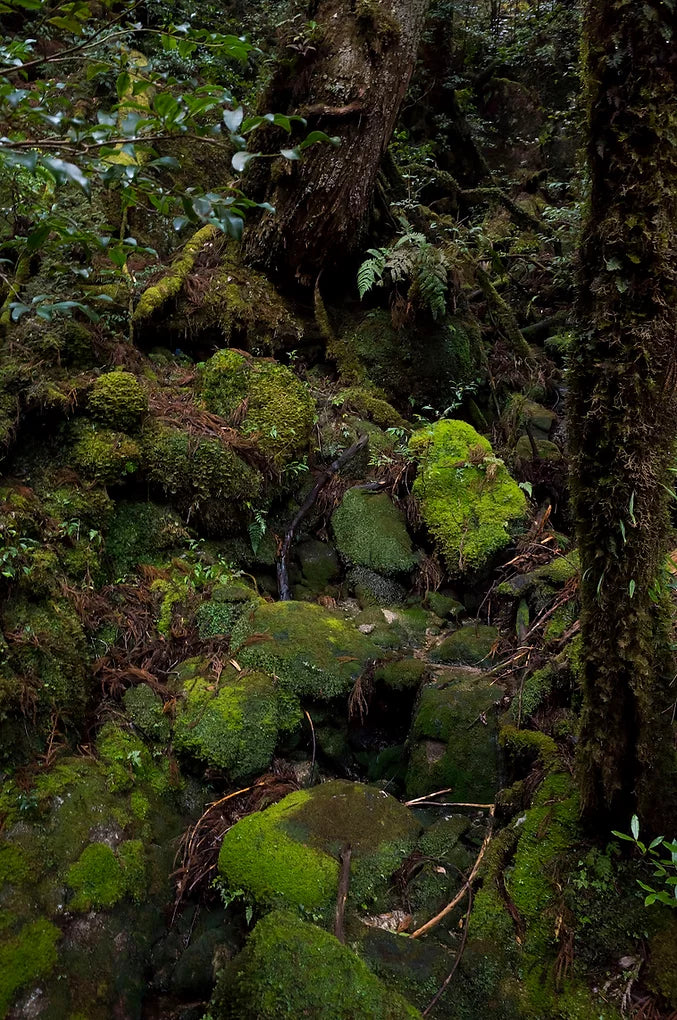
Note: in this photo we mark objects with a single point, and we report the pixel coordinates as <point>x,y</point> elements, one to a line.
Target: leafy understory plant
<point>662,854</point>
<point>413,260</point>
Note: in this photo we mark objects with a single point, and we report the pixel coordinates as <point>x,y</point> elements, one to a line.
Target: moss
<point>415,968</point>
<point>89,505</point>
<point>370,531</point>
<point>168,288</point>
<point>26,957</point>
<point>372,589</point>
<point>368,404</point>
<point>96,879</point>
<point>443,605</point>
<point>470,646</point>
<point>535,691</point>
<point>313,651</point>
<point>547,451</point>
<point>540,584</point>
<point>206,477</point>
<point>405,674</point>
<point>127,761</point>
<point>279,408</point>
<point>290,969</point>
<point>216,618</point>
<point>142,532</point>
<point>525,748</point>
<point>452,747</point>
<point>468,500</point>
<point>102,454</point>
<point>319,564</point>
<point>663,963</point>
<point>132,856</point>
<point>144,707</point>
<point>15,866</point>
<point>288,853</point>
<point>230,723</point>
<point>50,654</point>
<point>117,400</point>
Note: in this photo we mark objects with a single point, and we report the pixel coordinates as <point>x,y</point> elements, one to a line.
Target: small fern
<point>412,258</point>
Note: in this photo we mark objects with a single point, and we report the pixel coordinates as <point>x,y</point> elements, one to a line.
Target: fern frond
<point>370,273</point>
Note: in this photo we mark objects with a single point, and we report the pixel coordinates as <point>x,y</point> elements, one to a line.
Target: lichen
<point>468,501</point>
<point>370,531</point>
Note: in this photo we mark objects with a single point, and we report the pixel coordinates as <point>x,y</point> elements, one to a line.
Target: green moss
<point>288,853</point>
<point>142,533</point>
<point>470,646</point>
<point>215,618</point>
<point>547,451</point>
<point>372,589</point>
<point>207,478</point>
<point>127,761</point>
<point>144,708</point>
<point>155,297</point>
<point>230,723</point>
<point>451,746</point>
<point>279,408</point>
<point>536,689</point>
<point>319,564</point>
<point>525,748</point>
<point>313,651</point>
<point>15,866</point>
<point>443,605</point>
<point>370,531</point>
<point>468,500</point>
<point>405,674</point>
<point>96,879</point>
<point>132,856</point>
<point>663,963</point>
<point>26,957</point>
<point>291,969</point>
<point>117,400</point>
<point>102,454</point>
<point>368,404</point>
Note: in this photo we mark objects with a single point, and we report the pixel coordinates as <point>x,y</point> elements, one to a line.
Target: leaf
<point>233,119</point>
<point>64,172</point>
<point>290,153</point>
<point>631,588</point>
<point>319,136</point>
<point>122,84</point>
<point>240,160</point>
<point>634,827</point>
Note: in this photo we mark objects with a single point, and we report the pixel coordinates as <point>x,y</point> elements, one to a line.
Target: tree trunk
<point>623,414</point>
<point>351,86</point>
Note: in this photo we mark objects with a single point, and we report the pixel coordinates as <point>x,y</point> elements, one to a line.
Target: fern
<point>412,258</point>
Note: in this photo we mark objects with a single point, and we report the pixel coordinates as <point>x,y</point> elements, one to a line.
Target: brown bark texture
<point>350,86</point>
<point>623,414</point>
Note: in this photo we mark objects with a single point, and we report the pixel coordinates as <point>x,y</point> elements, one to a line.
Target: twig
<point>312,730</point>
<point>434,921</point>
<point>437,793</point>
<point>446,803</point>
<point>342,896</point>
<point>447,981</point>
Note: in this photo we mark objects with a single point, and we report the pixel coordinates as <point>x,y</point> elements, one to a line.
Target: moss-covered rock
<point>288,854</point>
<point>142,532</point>
<point>468,501</point>
<point>291,969</point>
<point>443,606</point>
<point>370,531</point>
<point>368,404</point>
<point>26,957</point>
<point>372,589</point>
<point>117,400</point>
<point>454,740</point>
<point>401,675</point>
<point>96,879</point>
<point>319,564</point>
<point>471,645</point>
<point>278,407</point>
<point>103,454</point>
<point>313,651</point>
<point>145,709</point>
<point>231,722</point>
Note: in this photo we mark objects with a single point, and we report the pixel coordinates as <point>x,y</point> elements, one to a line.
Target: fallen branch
<point>466,888</point>
<point>306,506</point>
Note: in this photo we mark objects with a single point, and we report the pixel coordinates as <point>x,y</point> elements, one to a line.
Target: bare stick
<point>418,800</point>
<point>434,921</point>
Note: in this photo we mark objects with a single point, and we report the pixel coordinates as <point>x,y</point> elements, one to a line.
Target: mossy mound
<point>117,400</point>
<point>469,502</point>
<point>391,359</point>
<point>231,722</point>
<point>372,589</point>
<point>319,564</point>
<point>402,675</point>
<point>454,740</point>
<point>291,969</point>
<point>545,450</point>
<point>288,854</point>
<point>313,651</point>
<point>142,532</point>
<point>145,708</point>
<point>370,531</point>
<point>100,878</point>
<point>279,409</point>
<point>26,957</point>
<point>443,606</point>
<point>206,478</point>
<point>366,403</point>
<point>471,645</point>
<point>102,454</point>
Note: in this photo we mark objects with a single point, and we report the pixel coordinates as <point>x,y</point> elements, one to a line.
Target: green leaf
<point>64,172</point>
<point>233,119</point>
<point>122,84</point>
<point>631,588</point>
<point>240,160</point>
<point>634,827</point>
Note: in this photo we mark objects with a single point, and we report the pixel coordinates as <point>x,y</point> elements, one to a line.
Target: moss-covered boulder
<point>469,502</point>
<point>319,564</point>
<point>230,723</point>
<point>25,958</point>
<point>453,740</point>
<point>402,674</point>
<point>102,454</point>
<point>471,645</point>
<point>373,589</point>
<point>291,969</point>
<point>288,854</point>
<point>370,531</point>
<point>142,532</point>
<point>276,406</point>
<point>313,651</point>
<point>117,400</point>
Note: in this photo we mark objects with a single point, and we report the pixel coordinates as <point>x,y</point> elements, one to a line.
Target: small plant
<point>662,854</point>
<point>414,260</point>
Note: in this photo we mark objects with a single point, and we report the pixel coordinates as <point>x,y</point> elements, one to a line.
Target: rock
<point>547,451</point>
<point>370,531</point>
<point>313,651</point>
<point>319,564</point>
<point>404,674</point>
<point>469,646</point>
<point>288,854</point>
<point>454,741</point>
<point>468,501</point>
<point>372,589</point>
<point>291,969</point>
<point>443,606</point>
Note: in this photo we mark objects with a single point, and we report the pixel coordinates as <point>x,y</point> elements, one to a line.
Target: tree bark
<point>351,86</point>
<point>623,414</point>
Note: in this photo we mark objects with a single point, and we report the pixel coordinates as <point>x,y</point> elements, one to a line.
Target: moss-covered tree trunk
<point>623,412</point>
<point>350,84</point>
